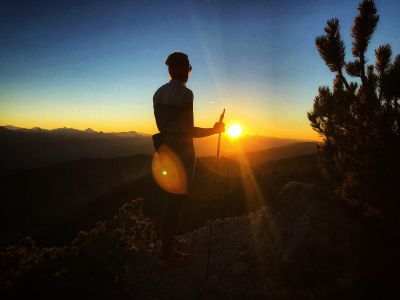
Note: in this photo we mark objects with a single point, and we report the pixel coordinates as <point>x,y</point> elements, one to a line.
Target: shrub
<point>99,263</point>
<point>359,120</point>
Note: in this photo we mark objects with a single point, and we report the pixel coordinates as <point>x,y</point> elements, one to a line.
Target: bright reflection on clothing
<point>168,171</point>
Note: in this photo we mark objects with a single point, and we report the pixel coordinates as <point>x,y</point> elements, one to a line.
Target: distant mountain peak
<point>37,129</point>
<point>11,127</point>
<point>65,130</point>
<point>127,134</point>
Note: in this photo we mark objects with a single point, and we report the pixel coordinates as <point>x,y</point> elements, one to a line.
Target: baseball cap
<point>177,59</point>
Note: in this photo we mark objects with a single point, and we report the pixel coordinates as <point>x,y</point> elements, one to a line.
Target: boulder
<point>308,238</point>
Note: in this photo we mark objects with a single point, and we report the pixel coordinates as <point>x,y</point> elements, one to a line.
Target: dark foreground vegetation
<point>99,263</point>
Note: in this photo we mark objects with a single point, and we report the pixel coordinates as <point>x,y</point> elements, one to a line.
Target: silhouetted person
<point>173,111</point>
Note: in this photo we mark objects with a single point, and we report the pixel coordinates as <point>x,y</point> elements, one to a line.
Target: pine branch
<point>353,68</point>
<point>331,47</point>
<point>364,26</point>
<point>382,65</point>
<point>382,59</point>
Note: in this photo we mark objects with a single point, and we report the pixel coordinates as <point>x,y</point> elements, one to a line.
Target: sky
<point>97,64</point>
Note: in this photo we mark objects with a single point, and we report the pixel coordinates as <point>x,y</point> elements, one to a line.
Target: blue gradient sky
<point>98,63</point>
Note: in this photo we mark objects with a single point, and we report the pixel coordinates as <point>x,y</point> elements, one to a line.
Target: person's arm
<point>199,132</point>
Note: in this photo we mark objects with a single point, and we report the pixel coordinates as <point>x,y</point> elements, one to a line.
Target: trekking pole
<point>221,119</point>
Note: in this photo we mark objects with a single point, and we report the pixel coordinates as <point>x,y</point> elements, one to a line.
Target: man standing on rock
<point>173,111</point>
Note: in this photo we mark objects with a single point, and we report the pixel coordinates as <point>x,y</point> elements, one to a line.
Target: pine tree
<point>359,119</point>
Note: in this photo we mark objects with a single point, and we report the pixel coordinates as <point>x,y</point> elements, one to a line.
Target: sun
<point>234,130</point>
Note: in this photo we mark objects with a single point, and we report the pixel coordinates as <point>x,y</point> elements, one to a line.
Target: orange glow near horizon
<point>262,121</point>
<point>257,116</point>
<point>271,130</point>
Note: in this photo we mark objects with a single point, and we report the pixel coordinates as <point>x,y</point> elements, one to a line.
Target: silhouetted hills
<point>246,143</point>
<point>88,132</point>
<point>53,203</point>
<point>286,151</point>
<point>57,182</point>
<point>28,148</point>
<point>37,198</point>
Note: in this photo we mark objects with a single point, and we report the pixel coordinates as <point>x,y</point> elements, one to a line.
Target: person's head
<point>178,66</point>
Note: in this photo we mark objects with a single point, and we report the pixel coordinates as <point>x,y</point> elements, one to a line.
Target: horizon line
<point>142,133</point>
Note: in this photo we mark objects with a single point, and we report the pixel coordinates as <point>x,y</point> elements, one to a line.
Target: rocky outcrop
<point>307,239</point>
<point>305,246</point>
<point>234,270</point>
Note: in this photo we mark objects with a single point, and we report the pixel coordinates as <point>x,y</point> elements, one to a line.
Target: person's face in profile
<point>180,72</point>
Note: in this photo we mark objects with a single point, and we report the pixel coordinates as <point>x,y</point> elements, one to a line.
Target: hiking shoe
<point>180,244</point>
<point>177,244</point>
<point>176,259</point>
<point>153,247</point>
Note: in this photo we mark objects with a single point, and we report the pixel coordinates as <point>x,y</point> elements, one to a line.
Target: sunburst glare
<point>234,131</point>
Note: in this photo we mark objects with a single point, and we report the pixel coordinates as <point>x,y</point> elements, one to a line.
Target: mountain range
<point>28,148</point>
<point>56,182</point>
<point>22,148</point>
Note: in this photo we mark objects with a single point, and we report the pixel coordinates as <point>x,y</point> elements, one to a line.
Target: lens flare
<point>168,171</point>
<point>234,130</point>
